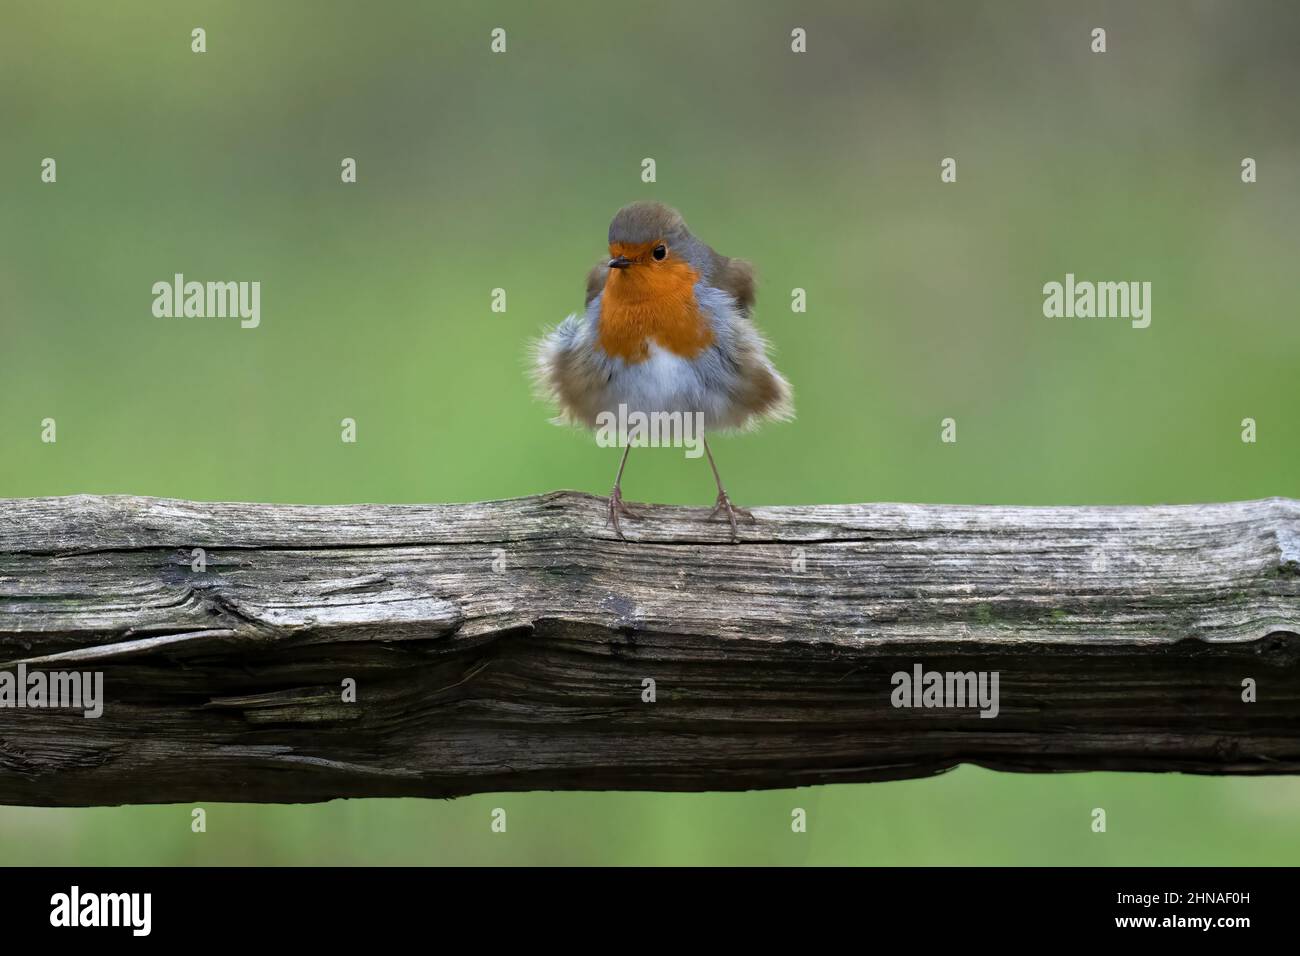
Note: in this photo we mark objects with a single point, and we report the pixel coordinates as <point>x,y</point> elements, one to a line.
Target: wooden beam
<point>516,645</point>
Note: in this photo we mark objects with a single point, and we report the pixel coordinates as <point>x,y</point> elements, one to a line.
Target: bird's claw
<point>724,504</point>
<point>614,508</point>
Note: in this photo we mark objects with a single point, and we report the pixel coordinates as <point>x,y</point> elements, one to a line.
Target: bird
<point>666,327</point>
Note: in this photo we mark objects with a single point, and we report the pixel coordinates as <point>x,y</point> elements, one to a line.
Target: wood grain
<point>504,645</point>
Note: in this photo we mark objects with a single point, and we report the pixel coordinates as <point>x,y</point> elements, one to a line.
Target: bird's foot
<point>723,504</point>
<point>616,507</point>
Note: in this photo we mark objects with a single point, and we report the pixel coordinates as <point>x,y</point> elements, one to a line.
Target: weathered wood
<point>503,645</point>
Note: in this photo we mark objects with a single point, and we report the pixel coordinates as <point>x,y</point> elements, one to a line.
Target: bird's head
<point>654,266</point>
<point>650,244</point>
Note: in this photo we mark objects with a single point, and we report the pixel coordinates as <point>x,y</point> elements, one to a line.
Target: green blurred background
<point>478,171</point>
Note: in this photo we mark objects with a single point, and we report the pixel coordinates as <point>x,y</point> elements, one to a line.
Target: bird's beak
<point>620,262</point>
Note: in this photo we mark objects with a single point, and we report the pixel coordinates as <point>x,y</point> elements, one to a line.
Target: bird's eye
<point>660,251</point>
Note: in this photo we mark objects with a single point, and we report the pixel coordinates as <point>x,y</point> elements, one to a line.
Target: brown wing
<point>735,276</point>
<point>596,279</point>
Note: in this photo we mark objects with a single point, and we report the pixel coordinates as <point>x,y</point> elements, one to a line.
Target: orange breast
<point>648,302</point>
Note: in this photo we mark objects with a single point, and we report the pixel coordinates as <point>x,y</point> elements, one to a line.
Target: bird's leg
<point>616,505</point>
<point>723,502</point>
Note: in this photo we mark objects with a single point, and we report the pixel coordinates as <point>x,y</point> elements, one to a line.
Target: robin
<point>666,329</point>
